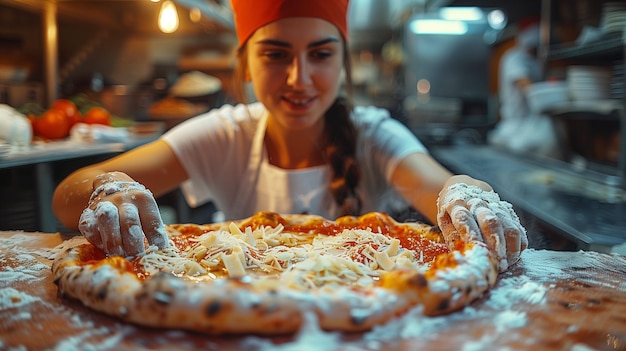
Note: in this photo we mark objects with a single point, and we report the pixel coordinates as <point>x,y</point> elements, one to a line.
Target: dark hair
<point>339,139</point>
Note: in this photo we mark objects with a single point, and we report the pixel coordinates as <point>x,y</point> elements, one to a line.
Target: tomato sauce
<point>427,246</point>
<point>410,238</point>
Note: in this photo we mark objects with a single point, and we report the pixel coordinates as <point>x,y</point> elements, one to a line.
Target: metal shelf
<point>608,50</point>
<point>596,109</point>
<point>610,46</point>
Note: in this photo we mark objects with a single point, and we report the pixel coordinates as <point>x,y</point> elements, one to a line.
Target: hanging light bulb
<point>195,15</point>
<point>168,17</point>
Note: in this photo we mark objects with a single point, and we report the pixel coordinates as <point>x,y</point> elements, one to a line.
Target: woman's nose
<point>299,74</point>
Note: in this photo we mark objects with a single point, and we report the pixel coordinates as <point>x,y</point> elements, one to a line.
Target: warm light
<point>423,86</point>
<point>195,15</point>
<point>433,26</point>
<point>168,17</point>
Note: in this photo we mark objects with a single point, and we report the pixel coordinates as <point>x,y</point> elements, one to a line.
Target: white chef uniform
<point>224,155</point>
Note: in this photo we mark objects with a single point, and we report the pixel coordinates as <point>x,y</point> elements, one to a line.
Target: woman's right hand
<point>476,213</point>
<point>122,213</point>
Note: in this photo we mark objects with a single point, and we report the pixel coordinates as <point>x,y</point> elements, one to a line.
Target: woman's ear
<point>246,76</point>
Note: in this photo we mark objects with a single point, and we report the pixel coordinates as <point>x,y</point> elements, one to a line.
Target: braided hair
<point>339,139</point>
<point>340,136</point>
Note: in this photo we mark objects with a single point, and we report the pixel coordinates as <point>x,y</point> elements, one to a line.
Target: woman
<point>301,148</point>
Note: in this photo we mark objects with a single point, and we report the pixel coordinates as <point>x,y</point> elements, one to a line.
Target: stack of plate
<point>613,18</point>
<point>618,90</point>
<point>542,96</point>
<point>589,82</point>
<point>4,149</point>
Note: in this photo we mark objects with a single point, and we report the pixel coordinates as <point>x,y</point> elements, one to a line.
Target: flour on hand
<point>469,213</point>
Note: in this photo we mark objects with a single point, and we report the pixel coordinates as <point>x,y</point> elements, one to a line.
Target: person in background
<point>302,148</point>
<point>519,67</point>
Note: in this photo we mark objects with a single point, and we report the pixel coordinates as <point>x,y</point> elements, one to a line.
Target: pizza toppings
<point>302,261</point>
<point>264,273</point>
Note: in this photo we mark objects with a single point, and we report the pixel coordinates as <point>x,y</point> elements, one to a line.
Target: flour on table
<point>11,298</point>
<point>25,267</point>
<point>512,290</point>
<point>309,338</point>
<point>21,316</point>
<point>508,292</point>
<point>91,340</point>
<point>581,347</point>
<point>16,239</point>
<point>542,265</point>
<point>17,348</point>
<point>16,243</point>
<point>507,320</point>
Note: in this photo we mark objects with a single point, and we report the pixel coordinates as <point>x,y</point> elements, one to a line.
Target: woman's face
<point>295,66</point>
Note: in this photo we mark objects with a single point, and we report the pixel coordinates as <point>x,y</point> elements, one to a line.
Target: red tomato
<point>69,109</point>
<point>32,119</point>
<point>97,115</point>
<point>52,124</point>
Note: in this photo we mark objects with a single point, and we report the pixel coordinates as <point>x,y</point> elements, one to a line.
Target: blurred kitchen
<point>150,64</point>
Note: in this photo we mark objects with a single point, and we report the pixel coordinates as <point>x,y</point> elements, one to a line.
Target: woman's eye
<point>274,55</point>
<point>322,54</point>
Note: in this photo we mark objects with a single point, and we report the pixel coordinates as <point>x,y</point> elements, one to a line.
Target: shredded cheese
<point>354,257</point>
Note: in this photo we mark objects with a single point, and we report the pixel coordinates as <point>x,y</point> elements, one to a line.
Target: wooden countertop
<point>549,301</point>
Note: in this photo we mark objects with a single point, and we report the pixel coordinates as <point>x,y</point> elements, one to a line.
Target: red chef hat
<point>251,15</point>
<point>529,32</point>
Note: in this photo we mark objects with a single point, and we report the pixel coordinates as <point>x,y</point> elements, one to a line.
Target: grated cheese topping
<point>354,257</point>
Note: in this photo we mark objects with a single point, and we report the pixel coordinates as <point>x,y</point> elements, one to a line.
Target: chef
<point>301,147</point>
<point>518,69</point>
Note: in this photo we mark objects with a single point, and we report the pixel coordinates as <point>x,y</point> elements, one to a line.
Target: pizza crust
<point>448,289</point>
<point>243,305</point>
<point>223,306</point>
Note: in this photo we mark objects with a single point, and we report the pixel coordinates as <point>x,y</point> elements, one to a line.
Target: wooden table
<point>549,301</point>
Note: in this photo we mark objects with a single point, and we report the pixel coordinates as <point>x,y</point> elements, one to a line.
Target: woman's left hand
<point>472,213</point>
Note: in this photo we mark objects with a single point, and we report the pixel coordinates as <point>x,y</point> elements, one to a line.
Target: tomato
<point>69,109</point>
<point>97,115</point>
<point>32,119</point>
<point>52,124</point>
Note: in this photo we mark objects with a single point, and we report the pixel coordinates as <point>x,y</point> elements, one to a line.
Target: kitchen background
<point>442,85</point>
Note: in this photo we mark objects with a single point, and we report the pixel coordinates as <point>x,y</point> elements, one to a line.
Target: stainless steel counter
<point>66,149</point>
<point>590,211</point>
<point>43,156</point>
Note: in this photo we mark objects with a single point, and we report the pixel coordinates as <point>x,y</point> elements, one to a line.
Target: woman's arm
<point>419,179</point>
<point>154,165</point>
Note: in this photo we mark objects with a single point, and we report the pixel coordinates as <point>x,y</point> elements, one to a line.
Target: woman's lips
<point>299,103</point>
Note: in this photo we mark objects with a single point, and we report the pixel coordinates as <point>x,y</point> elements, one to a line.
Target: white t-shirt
<point>224,156</point>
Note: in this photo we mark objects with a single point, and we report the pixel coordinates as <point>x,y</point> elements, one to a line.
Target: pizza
<point>268,273</point>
